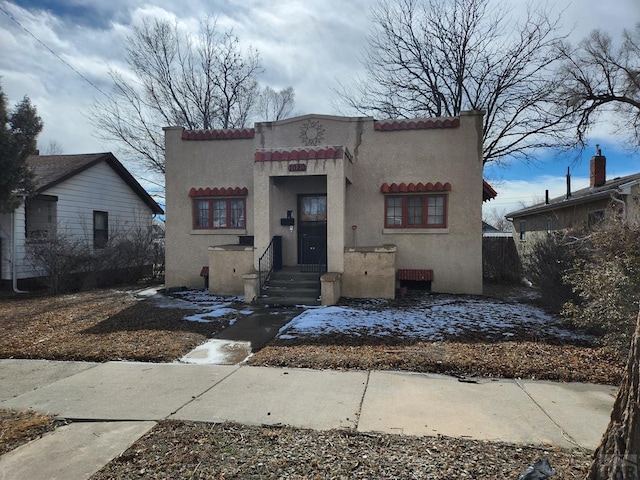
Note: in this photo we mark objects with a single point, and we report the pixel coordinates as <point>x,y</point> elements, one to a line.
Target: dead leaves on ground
<point>200,450</point>
<point>97,326</point>
<point>529,360</point>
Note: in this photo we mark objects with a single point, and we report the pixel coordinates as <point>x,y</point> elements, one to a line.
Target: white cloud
<point>308,45</point>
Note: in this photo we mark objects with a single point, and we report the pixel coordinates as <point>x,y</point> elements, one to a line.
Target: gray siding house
<point>85,196</point>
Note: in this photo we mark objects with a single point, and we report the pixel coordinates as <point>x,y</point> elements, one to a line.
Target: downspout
<point>14,273</point>
<point>622,202</point>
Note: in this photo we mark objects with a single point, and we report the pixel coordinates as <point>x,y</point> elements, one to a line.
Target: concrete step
<point>287,301</point>
<point>294,276</point>
<point>291,287</point>
<point>291,291</point>
<point>284,283</point>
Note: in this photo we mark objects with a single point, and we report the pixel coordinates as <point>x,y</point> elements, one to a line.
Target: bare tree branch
<point>273,106</point>
<point>598,78</point>
<point>176,80</point>
<point>435,58</point>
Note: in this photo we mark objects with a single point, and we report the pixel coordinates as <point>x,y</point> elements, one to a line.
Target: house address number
<point>298,167</point>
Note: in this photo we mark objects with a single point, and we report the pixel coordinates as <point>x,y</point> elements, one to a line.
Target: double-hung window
<point>219,213</point>
<point>416,211</point>
<point>100,229</point>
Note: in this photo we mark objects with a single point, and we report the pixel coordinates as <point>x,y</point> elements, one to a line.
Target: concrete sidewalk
<point>123,400</point>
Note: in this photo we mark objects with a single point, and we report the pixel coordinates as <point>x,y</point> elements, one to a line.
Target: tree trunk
<point>619,451</point>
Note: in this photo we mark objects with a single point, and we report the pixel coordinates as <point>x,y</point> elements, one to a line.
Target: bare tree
<point>199,83</point>
<point>437,58</point>
<point>54,148</point>
<point>273,105</point>
<point>497,219</point>
<point>599,77</point>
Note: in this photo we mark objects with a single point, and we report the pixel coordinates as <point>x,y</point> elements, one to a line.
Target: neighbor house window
<point>100,229</point>
<point>214,213</point>
<point>523,229</point>
<point>549,226</point>
<point>415,211</point>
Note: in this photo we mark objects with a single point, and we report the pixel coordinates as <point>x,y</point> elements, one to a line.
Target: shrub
<point>607,283</point>
<point>60,261</point>
<point>66,262</point>
<point>547,265</point>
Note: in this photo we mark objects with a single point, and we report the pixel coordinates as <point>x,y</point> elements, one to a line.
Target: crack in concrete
<point>364,392</point>
<point>564,433</point>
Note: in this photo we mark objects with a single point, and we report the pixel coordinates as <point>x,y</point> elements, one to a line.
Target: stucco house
<point>365,204</point>
<point>85,196</point>
<point>578,209</point>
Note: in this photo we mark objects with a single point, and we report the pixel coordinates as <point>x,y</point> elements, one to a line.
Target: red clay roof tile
<point>224,134</point>
<point>218,192</point>
<point>393,125</point>
<point>299,154</point>
<point>415,187</point>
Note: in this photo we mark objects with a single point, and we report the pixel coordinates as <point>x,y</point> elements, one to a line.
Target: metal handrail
<point>265,265</point>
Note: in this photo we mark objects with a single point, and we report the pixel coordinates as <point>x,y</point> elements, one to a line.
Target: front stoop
<point>291,287</point>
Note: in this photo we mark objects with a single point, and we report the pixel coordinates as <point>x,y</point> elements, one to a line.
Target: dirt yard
<point>98,326</point>
<point>113,325</point>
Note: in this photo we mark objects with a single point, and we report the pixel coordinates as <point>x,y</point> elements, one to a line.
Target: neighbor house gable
<point>52,170</point>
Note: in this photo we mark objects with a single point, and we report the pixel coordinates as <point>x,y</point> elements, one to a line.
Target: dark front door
<point>312,232</point>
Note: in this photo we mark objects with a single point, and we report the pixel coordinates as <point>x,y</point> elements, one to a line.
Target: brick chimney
<point>598,168</point>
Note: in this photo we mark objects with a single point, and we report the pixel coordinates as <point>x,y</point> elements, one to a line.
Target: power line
<point>50,50</point>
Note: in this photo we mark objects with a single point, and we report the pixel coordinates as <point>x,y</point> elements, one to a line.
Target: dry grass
<point>530,360</point>
<point>110,325</point>
<point>17,428</point>
<point>97,326</point>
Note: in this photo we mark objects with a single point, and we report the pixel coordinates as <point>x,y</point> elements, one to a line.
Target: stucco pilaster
<point>336,197</point>
<point>261,210</point>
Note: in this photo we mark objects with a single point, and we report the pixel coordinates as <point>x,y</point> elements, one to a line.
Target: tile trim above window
<point>415,187</point>
<point>415,207</point>
<point>219,192</point>
<point>218,209</point>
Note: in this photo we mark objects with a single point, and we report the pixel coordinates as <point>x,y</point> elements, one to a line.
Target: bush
<point>65,262</point>
<point>607,283</point>
<point>547,265</point>
<point>60,261</point>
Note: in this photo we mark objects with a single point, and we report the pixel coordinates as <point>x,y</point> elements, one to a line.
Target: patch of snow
<point>218,352</point>
<point>432,319</point>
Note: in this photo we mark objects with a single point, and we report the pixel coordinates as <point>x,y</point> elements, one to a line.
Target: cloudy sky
<point>58,52</point>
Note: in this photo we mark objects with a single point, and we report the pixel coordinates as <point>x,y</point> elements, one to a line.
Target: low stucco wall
<point>369,272</point>
<point>330,288</point>
<point>227,265</point>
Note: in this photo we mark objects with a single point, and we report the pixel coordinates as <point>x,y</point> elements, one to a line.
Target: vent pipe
<point>568,182</point>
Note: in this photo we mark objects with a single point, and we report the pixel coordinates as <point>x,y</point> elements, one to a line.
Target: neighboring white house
<point>372,203</point>
<point>86,196</point>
